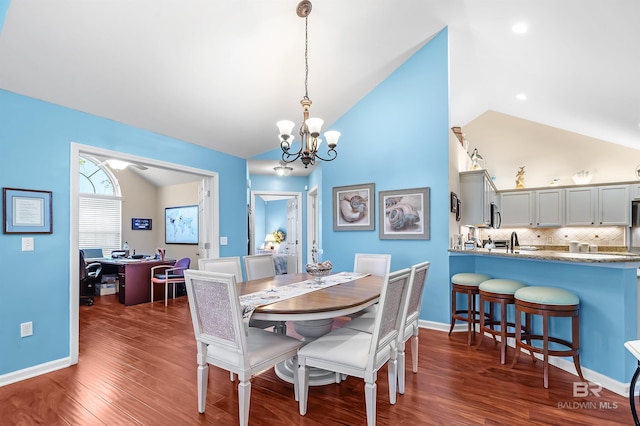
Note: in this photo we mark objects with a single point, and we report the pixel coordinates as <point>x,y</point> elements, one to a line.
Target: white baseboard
<point>36,370</point>
<point>562,363</point>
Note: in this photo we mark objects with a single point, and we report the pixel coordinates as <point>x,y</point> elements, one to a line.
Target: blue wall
<point>35,141</point>
<point>397,138</point>
<point>404,120</point>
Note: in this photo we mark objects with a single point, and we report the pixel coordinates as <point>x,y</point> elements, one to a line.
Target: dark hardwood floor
<point>138,366</point>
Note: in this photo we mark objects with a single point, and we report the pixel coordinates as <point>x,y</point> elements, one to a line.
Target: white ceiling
<point>221,73</point>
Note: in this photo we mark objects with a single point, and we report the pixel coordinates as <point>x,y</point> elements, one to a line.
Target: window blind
<point>100,223</point>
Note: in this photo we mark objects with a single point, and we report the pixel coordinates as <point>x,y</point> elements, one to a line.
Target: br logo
<point>582,390</point>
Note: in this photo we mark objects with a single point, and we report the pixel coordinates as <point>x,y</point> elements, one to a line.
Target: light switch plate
<point>223,241</point>
<point>27,244</point>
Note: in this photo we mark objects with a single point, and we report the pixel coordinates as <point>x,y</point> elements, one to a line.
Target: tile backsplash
<point>602,236</point>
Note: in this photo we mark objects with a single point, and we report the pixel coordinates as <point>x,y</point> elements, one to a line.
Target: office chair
<point>89,276</point>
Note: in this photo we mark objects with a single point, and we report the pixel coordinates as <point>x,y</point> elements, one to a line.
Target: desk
<point>312,313</point>
<point>134,277</point>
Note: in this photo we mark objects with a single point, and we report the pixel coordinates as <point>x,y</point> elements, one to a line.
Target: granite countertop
<point>599,257</point>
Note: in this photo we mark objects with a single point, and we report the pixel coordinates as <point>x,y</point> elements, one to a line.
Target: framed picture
<point>404,214</point>
<point>139,224</point>
<point>26,211</point>
<point>181,225</point>
<point>454,202</point>
<point>353,208</point>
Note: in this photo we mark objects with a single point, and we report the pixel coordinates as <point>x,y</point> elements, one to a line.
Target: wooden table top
<point>336,300</point>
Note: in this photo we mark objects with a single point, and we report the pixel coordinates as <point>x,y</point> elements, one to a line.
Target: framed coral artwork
<point>404,214</point>
<point>353,208</point>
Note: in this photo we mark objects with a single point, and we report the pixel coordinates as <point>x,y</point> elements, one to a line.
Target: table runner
<point>250,302</point>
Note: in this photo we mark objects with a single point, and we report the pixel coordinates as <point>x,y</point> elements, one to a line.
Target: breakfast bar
<point>607,285</point>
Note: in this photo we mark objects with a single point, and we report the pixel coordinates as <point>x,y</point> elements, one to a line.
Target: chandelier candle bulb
<point>314,125</point>
<point>332,137</point>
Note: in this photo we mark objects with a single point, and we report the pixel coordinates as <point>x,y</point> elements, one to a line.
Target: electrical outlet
<point>26,329</point>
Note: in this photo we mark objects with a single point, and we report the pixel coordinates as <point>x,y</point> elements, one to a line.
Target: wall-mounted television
<point>181,225</point>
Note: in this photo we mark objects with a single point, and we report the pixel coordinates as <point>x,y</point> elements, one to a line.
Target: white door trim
<point>212,179</point>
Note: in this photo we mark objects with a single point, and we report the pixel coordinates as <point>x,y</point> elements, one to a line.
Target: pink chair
<point>169,274</point>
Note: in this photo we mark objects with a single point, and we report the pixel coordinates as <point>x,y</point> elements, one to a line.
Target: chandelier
<point>310,128</point>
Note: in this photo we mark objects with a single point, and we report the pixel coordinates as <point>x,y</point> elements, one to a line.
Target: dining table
<point>313,313</point>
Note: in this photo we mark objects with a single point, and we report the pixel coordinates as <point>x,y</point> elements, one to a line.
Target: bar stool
<point>466,283</point>
<point>547,302</point>
<point>498,291</point>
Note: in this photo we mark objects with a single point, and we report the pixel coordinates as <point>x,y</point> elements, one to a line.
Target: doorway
<point>292,218</point>
<point>208,206</point>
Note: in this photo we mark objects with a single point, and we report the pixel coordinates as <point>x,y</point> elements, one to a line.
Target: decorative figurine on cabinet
<point>520,178</point>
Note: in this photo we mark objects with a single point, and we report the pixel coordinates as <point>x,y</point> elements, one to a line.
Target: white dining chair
<point>369,263</point>
<point>258,266</point>
<point>410,330</point>
<point>231,265</point>
<point>375,264</point>
<point>227,265</point>
<point>360,354</point>
<point>224,341</point>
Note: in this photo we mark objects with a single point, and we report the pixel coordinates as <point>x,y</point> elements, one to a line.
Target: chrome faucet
<point>513,241</point>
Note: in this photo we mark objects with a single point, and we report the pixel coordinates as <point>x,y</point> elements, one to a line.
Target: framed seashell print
<point>404,214</point>
<point>353,208</point>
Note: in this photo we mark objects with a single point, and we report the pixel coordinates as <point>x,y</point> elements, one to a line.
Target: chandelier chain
<point>306,58</point>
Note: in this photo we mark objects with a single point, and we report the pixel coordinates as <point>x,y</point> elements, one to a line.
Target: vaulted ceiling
<point>220,73</point>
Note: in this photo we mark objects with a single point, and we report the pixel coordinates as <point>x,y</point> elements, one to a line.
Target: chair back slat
<point>391,311</point>
<point>419,273</point>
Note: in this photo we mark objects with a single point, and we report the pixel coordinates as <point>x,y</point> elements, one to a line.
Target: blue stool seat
<point>547,296</point>
<point>547,302</point>
<point>498,291</point>
<point>466,283</point>
<point>468,278</point>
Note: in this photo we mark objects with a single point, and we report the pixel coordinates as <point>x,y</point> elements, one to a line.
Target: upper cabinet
<point>477,192</point>
<point>541,208</point>
<point>602,205</point>
<point>549,208</point>
<point>516,208</point>
<point>614,207</point>
<point>580,206</point>
<point>606,205</point>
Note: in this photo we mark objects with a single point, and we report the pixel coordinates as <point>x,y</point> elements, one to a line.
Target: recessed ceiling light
<point>521,97</point>
<point>519,28</point>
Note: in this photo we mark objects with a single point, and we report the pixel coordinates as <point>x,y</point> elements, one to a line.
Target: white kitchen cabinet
<point>516,209</point>
<point>549,208</point>
<point>602,205</point>
<point>634,192</point>
<point>614,207</point>
<point>541,208</point>
<point>477,192</point>
<point>580,206</point>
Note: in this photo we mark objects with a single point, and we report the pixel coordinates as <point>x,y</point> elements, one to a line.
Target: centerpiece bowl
<point>319,270</point>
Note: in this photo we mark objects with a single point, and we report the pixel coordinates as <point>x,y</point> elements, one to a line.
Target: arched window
<point>100,214</point>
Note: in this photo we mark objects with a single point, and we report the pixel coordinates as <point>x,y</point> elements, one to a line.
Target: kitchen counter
<point>564,256</point>
<point>607,285</point>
